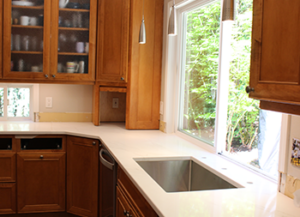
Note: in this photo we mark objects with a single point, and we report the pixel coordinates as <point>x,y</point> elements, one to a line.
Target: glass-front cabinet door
<point>1,15</point>
<point>26,39</point>
<point>73,40</point>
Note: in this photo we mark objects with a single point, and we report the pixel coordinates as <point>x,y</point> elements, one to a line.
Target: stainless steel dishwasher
<point>107,184</point>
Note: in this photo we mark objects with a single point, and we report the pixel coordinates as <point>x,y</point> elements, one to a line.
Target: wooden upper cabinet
<point>73,41</point>
<point>1,22</point>
<point>145,63</point>
<point>82,176</point>
<point>113,40</point>
<point>26,44</point>
<point>46,41</point>
<point>275,57</point>
<point>41,182</point>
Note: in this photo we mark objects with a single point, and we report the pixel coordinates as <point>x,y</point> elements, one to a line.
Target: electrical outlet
<point>48,102</point>
<point>115,103</point>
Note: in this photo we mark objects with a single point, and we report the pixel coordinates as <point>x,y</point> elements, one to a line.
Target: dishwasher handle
<point>105,162</point>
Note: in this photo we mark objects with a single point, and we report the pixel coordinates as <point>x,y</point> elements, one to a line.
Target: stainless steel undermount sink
<point>184,175</point>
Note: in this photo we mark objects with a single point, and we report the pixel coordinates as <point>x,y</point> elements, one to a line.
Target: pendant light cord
<point>143,8</point>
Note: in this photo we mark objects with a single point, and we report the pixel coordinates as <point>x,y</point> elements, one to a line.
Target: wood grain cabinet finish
<point>122,205</point>
<point>275,55</point>
<point>48,52</point>
<point>137,203</point>
<point>7,198</point>
<point>41,182</point>
<point>38,57</point>
<point>82,176</point>
<point>113,40</point>
<point>1,25</point>
<point>7,167</point>
<point>145,62</point>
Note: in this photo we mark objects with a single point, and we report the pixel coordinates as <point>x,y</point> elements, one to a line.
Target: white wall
<point>66,98</point>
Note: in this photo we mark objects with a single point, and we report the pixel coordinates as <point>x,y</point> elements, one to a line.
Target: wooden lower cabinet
<point>82,176</point>
<point>7,198</point>
<point>130,199</point>
<point>41,182</point>
<point>123,207</point>
<point>8,167</point>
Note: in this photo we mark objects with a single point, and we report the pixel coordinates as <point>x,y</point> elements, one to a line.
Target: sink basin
<point>184,175</point>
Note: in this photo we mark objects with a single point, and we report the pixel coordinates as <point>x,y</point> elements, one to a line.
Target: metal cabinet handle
<point>122,79</point>
<point>125,212</point>
<point>53,76</point>
<point>249,89</point>
<point>41,156</point>
<point>94,143</point>
<point>105,162</point>
<point>46,76</point>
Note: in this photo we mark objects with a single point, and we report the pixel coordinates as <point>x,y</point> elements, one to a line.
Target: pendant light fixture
<point>228,13</point>
<point>172,29</point>
<point>142,37</point>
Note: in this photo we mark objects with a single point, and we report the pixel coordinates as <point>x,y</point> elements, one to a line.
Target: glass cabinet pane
<point>73,36</point>
<point>27,25</point>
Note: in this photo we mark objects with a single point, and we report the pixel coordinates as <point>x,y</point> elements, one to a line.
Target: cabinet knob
<point>122,79</point>
<point>53,76</point>
<point>94,143</point>
<point>46,76</point>
<point>41,156</point>
<point>249,89</point>
<point>125,212</point>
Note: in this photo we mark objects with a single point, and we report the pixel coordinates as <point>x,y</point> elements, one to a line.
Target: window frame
<point>34,101</point>
<point>180,55</point>
<point>172,66</point>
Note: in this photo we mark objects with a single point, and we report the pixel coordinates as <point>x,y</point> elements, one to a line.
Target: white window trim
<point>171,77</point>
<point>34,101</point>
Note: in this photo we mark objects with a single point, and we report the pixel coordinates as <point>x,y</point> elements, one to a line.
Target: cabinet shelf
<point>73,29</point>
<point>29,7</point>
<point>74,10</point>
<point>72,54</point>
<point>26,52</point>
<point>27,27</point>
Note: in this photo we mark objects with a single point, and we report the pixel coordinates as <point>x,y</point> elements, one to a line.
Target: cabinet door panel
<point>275,55</point>
<point>26,44</point>
<point>7,167</point>
<point>8,198</point>
<point>1,15</point>
<point>143,90</point>
<point>82,176</point>
<point>113,40</point>
<point>73,45</point>
<point>41,182</point>
<point>122,205</point>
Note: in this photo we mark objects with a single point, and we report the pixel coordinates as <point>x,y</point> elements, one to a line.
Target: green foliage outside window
<point>202,48</point>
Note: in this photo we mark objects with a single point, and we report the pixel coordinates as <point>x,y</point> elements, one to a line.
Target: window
<point>17,101</point>
<point>213,74</point>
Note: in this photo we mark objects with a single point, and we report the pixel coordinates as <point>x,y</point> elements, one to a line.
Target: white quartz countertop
<point>257,199</point>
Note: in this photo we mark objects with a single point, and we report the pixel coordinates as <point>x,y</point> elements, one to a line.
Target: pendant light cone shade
<point>142,38</point>
<point>228,13</point>
<point>172,29</point>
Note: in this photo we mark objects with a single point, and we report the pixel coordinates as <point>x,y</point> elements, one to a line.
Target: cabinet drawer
<point>123,207</point>
<point>139,203</point>
<point>7,198</point>
<point>7,167</point>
